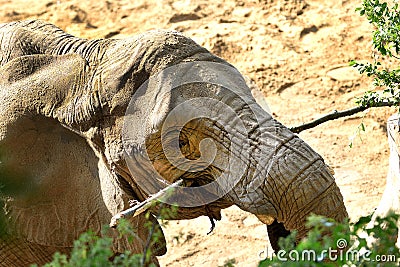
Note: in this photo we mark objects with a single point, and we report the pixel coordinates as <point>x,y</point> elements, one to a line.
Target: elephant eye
<point>182,143</point>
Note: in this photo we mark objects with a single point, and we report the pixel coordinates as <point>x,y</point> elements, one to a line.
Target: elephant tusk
<point>145,205</point>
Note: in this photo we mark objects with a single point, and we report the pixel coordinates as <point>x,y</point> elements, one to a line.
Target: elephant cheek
<point>166,170</point>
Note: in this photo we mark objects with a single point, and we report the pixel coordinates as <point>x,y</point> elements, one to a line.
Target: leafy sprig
<point>386,41</point>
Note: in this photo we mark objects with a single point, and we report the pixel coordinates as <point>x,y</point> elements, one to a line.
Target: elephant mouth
<point>275,229</point>
<point>198,181</point>
<point>204,181</point>
<point>208,176</point>
<point>206,192</point>
<point>201,178</point>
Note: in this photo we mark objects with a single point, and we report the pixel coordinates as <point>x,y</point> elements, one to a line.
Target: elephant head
<point>89,125</point>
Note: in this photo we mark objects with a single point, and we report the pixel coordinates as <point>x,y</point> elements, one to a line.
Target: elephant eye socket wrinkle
<point>182,143</point>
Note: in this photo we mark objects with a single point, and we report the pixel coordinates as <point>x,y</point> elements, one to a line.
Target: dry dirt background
<point>297,52</point>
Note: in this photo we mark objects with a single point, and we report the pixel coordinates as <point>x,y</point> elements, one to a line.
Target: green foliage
<point>386,43</point>
<point>91,250</point>
<point>229,263</point>
<point>329,243</point>
<point>386,20</point>
<point>384,231</point>
<point>359,130</point>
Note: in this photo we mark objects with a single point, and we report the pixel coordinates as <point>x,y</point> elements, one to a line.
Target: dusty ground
<point>296,51</point>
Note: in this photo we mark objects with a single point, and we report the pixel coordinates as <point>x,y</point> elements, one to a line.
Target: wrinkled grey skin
<point>62,107</point>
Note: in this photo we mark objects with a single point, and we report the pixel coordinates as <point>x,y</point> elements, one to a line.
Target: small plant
<point>229,263</point>
<point>346,244</point>
<point>357,133</point>
<point>386,44</point>
<point>92,250</point>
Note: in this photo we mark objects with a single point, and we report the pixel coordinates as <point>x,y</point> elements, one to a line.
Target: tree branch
<point>339,114</point>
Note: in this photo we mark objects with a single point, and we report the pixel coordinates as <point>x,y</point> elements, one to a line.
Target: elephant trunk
<point>326,201</point>
<point>288,182</point>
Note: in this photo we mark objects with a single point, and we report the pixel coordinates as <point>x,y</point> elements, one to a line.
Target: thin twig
<point>145,205</point>
<point>338,114</point>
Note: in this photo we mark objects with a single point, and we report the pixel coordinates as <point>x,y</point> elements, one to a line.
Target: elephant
<point>88,125</point>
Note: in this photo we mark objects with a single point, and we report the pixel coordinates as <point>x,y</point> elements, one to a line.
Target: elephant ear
<point>54,86</point>
<point>63,187</point>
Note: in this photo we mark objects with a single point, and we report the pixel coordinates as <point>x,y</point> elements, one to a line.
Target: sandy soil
<point>296,51</point>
